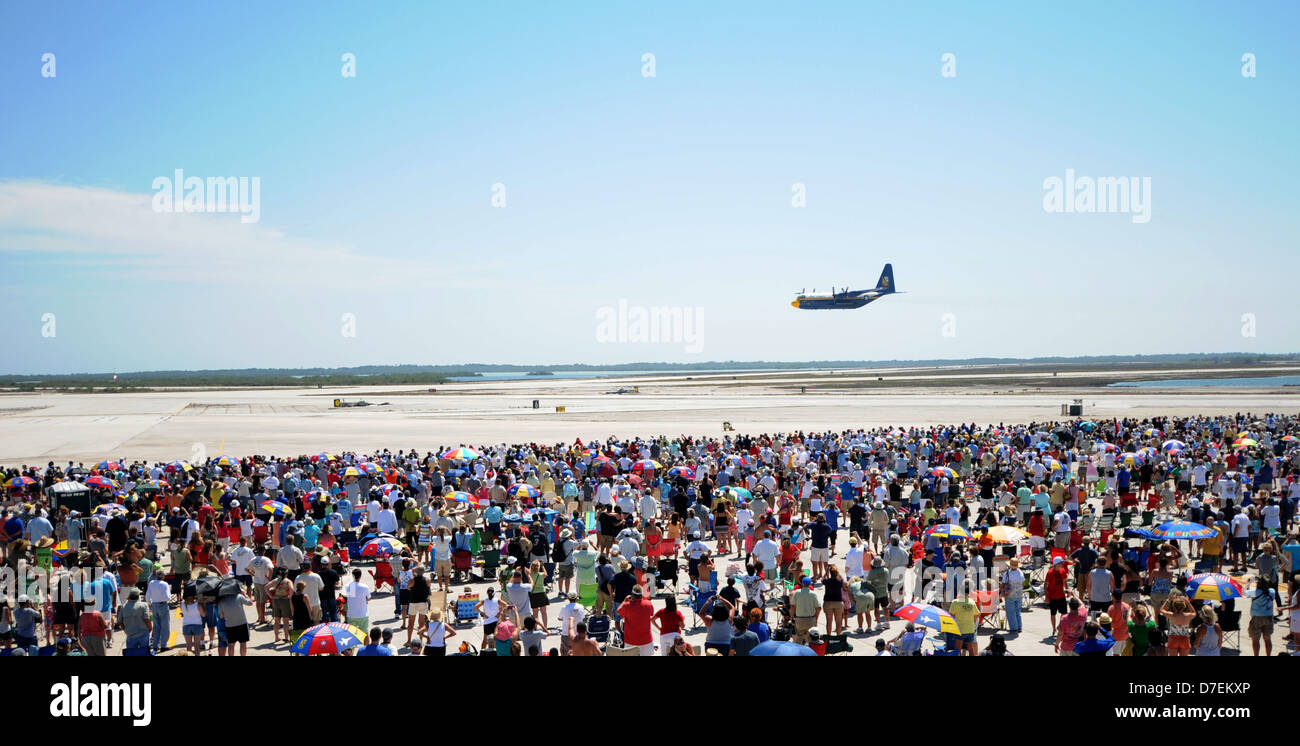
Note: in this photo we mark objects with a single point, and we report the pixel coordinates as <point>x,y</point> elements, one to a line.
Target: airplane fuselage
<point>830,302</point>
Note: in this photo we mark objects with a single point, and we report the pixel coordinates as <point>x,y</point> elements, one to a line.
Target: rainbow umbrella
<point>324,457</point>
<point>175,466</point>
<point>461,454</point>
<point>1182,530</point>
<point>524,491</point>
<point>227,461</point>
<point>939,472</point>
<point>462,497</point>
<point>104,482</point>
<point>646,463</point>
<point>928,615</point>
<point>1153,432</point>
<point>323,639</point>
<point>947,531</point>
<point>1212,586</point>
<point>736,459</point>
<point>382,545</point>
<point>1244,443</point>
<point>1173,446</point>
<point>17,482</point>
<point>1289,439</point>
<point>1130,459</point>
<point>682,471</point>
<point>109,466</point>
<point>275,507</point>
<point>1007,534</point>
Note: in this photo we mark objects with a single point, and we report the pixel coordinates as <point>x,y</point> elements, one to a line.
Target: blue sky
<point>666,191</point>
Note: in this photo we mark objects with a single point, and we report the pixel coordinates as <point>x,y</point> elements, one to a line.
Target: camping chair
<point>465,611</point>
<point>1125,520</point>
<point>698,599</point>
<point>491,561</point>
<point>462,561</point>
<point>838,644</point>
<point>1230,623</point>
<point>1148,516</point>
<point>1106,533</point>
<point>598,626</point>
<point>666,572</point>
<point>989,606</point>
<point>383,573</point>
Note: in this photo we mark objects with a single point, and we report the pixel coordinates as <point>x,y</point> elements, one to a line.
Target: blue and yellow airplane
<point>848,298</point>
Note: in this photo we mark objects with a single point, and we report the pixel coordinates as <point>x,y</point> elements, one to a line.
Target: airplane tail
<point>886,282</point>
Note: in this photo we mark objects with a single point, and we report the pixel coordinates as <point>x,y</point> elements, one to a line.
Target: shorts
<point>489,629</point>
<point>417,609</point>
<point>259,594</point>
<point>281,608</point>
<point>821,555</point>
<point>1260,625</point>
<point>1240,544</point>
<point>1098,606</point>
<point>833,607</point>
<point>237,634</point>
<point>1057,606</point>
<point>565,572</point>
<point>882,601</point>
<point>442,568</point>
<point>538,600</point>
<point>192,630</point>
<point>967,639</point>
<point>361,623</point>
<point>1179,642</point>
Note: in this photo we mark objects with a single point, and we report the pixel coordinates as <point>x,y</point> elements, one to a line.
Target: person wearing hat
<point>806,606</point>
<point>26,619</point>
<point>137,622</point>
<point>563,557</point>
<point>1013,594</point>
<point>157,594</point>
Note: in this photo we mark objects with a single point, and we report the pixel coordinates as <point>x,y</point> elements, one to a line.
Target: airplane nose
<point>794,303</point>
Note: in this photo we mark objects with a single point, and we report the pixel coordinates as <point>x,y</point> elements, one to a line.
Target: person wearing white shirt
<point>571,614</point>
<point>649,509</point>
<point>241,556</point>
<point>1061,525</point>
<point>853,561</point>
<point>372,511</point>
<point>358,599</point>
<point>1240,527</point>
<point>604,494</point>
<point>387,520</point>
<point>767,551</point>
<point>158,594</point>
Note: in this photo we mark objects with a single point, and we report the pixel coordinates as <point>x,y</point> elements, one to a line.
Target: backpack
<point>558,554</point>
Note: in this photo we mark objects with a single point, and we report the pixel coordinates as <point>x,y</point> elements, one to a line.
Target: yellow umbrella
<point>1007,534</point>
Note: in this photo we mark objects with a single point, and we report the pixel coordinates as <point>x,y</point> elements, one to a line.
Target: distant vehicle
<point>848,298</point>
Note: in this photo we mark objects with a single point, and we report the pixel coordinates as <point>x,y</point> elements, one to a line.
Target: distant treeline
<point>367,375</point>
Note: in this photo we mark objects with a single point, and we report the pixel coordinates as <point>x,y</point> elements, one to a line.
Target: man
<point>442,542</point>
<point>329,584</point>
<point>1061,524</point>
<point>1096,642</point>
<point>767,551</point>
<point>634,617</point>
<point>1055,583</point>
<point>965,612</point>
<point>1240,527</point>
<point>241,557</point>
<point>572,615</point>
<point>1101,586</point>
<point>743,639</point>
<point>358,600</point>
<point>1119,613</point>
<point>26,620</point>
<point>290,559</point>
<point>518,593</point>
<point>259,570</point>
<point>376,646</point>
<point>230,609</point>
<point>1070,630</point>
<point>1262,601</point>
<point>821,546</point>
<point>313,593</point>
<point>136,620</point>
<point>807,607</point>
<point>583,646</point>
<point>157,594</point>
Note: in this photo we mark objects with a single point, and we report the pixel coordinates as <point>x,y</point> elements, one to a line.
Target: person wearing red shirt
<point>669,622</point>
<point>1056,589</point>
<point>634,618</point>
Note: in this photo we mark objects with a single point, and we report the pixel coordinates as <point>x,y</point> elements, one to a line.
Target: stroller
<point>598,627</point>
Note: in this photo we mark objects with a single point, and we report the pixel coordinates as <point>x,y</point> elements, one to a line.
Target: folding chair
<point>598,626</point>
<point>1230,623</point>
<point>989,606</point>
<point>698,600</point>
<point>1125,520</point>
<point>465,611</point>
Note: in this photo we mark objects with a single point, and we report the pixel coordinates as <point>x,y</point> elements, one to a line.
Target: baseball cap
<point>1057,560</point>
<point>806,580</point>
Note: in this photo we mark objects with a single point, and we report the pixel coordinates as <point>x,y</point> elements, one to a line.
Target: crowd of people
<point>633,547</point>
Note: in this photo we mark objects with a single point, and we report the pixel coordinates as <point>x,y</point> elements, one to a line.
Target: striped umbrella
<point>1212,586</point>
<point>175,466</point>
<point>324,457</point>
<point>1130,459</point>
<point>1289,439</point>
<point>947,531</point>
<point>646,463</point>
<point>462,497</point>
<point>1244,443</point>
<point>1182,530</point>
<point>523,491</point>
<point>352,471</point>
<point>103,482</point>
<point>106,508</point>
<point>682,471</point>
<point>1001,449</point>
<point>109,466</point>
<point>17,482</point>
<point>741,493</point>
<point>227,461</point>
<point>323,639</point>
<point>461,454</point>
<point>382,546</point>
<point>275,507</point>
<point>367,467</point>
<point>1007,534</point>
<point>736,459</point>
<point>939,472</point>
<point>1173,446</point>
<point>928,615</point>
<point>1107,447</point>
<point>1153,432</point>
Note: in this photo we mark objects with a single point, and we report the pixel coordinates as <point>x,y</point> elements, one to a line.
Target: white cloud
<point>120,233</point>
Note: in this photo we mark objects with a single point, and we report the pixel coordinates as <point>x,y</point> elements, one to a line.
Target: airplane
<point>848,298</point>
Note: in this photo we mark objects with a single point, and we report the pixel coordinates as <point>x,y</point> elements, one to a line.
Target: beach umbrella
<point>928,615</point>
<point>103,482</point>
<point>108,466</point>
<point>1052,464</point>
<point>607,469</point>
<point>60,550</point>
<point>1007,534</point>
<point>1001,449</point>
<point>324,457</point>
<point>947,531</point>
<point>1087,425</point>
<point>1244,443</point>
<point>1182,530</point>
<point>736,459</point>
<point>523,491</point>
<point>151,485</point>
<point>352,471</point>
<point>462,497</point>
<point>175,466</point>
<point>381,545</point>
<point>367,467</point>
<point>1153,432</point>
<point>1289,439</point>
<point>939,472</point>
<point>785,649</point>
<point>106,508</point>
<point>1107,447</point>
<point>1139,533</point>
<point>741,493</point>
<point>646,463</point>
<point>1212,586</point>
<point>461,454</point>
<point>323,639</point>
<point>601,459</point>
<point>682,471</point>
<point>275,507</point>
<point>227,461</point>
<point>1130,459</point>
<point>1173,446</point>
<point>17,482</point>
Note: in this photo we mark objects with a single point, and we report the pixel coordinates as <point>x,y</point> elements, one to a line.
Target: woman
<point>418,607</point>
<point>192,625</point>
<point>1141,628</point>
<point>301,612</point>
<point>436,635</point>
<point>537,597</point>
<point>718,636</point>
<point>489,609</point>
<point>280,590</point>
<point>404,578</point>
<point>669,622</point>
<point>833,600</point>
<point>1162,582</point>
<point>507,631</point>
<point>424,539</point>
<point>1209,635</point>
<point>681,649</point>
<point>1179,613</point>
<point>722,527</point>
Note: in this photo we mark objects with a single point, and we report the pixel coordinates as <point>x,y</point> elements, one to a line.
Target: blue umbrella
<point>1182,530</point>
<point>1138,533</point>
<point>772,648</point>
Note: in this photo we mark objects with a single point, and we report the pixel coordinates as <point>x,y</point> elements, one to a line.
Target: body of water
<point>610,374</point>
<point>1214,382</point>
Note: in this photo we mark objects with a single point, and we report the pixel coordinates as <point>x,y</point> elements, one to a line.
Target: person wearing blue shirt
<point>310,533</point>
<point>1096,641</point>
<point>492,516</point>
<point>375,647</point>
<point>14,528</point>
<point>38,528</point>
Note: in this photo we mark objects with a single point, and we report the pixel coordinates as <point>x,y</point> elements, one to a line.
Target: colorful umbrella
<point>323,639</point>
<point>1107,447</point>
<point>275,507</point>
<point>462,497</point>
<point>524,491</point>
<point>324,457</point>
<point>646,463</point>
<point>1153,432</point>
<point>1182,530</point>
<point>741,493</point>
<point>367,467</point>
<point>381,545</point>
<point>736,459</point>
<point>151,485</point>
<point>461,454</point>
<point>1001,449</point>
<point>107,508</point>
<point>682,471</point>
<point>17,482</point>
<point>947,531</point>
<point>939,472</point>
<point>1212,586</point>
<point>175,466</point>
<point>785,649</point>
<point>930,616</point>
<point>1007,534</point>
<point>1244,443</point>
<point>1173,446</point>
<point>104,482</point>
<point>108,466</point>
<point>1130,459</point>
<point>227,461</point>
<point>352,471</point>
